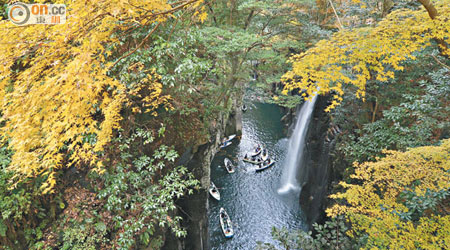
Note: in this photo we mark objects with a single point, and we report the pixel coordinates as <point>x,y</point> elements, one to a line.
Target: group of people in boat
<point>228,165</point>
<point>251,158</point>
<point>260,157</point>
<point>225,223</point>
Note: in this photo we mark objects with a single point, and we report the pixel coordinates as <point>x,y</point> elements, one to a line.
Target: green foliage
<point>3,8</point>
<point>140,191</point>
<point>79,237</point>
<point>289,29</point>
<point>417,119</point>
<point>129,206</point>
<point>224,42</point>
<point>23,215</point>
<point>419,204</point>
<point>331,235</point>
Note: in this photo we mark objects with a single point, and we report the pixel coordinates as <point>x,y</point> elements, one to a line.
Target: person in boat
<point>246,156</point>
<point>224,141</point>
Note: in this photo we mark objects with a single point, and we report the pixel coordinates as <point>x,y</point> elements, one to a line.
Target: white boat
<point>244,108</point>
<point>264,155</point>
<point>266,164</point>
<point>214,191</point>
<point>225,223</point>
<point>227,141</point>
<point>228,165</point>
<point>229,138</point>
<point>252,159</point>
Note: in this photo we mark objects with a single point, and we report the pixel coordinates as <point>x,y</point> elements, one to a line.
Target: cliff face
<point>194,208</point>
<point>315,173</point>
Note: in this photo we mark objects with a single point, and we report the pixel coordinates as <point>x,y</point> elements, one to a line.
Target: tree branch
<point>249,18</point>
<point>337,17</point>
<point>438,61</point>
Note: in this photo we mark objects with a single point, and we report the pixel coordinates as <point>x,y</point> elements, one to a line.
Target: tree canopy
<point>58,96</point>
<point>353,56</point>
<point>398,200</point>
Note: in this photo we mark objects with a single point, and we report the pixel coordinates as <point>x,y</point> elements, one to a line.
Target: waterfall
<point>289,179</point>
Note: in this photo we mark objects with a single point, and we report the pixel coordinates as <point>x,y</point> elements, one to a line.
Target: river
<point>250,197</point>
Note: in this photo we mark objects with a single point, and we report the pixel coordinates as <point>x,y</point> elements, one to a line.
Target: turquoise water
<point>250,197</point>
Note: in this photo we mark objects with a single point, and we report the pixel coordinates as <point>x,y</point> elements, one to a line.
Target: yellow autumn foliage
<point>375,204</point>
<point>352,57</point>
<point>55,86</point>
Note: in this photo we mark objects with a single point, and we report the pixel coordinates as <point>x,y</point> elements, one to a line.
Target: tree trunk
<point>433,13</point>
<point>387,5</point>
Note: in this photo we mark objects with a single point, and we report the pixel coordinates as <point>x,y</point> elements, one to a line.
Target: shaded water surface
<point>250,197</point>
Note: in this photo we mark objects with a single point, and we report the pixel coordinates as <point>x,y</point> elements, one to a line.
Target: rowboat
<point>227,141</point>
<point>229,138</point>
<point>225,223</point>
<point>214,191</point>
<point>267,164</point>
<point>264,155</point>
<point>228,165</point>
<point>254,159</point>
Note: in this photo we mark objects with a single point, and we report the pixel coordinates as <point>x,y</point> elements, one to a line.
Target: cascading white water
<point>289,182</point>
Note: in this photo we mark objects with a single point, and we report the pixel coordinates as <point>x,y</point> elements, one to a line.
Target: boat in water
<point>252,159</point>
<point>227,141</point>
<point>225,223</point>
<point>265,165</point>
<point>214,191</point>
<point>228,165</point>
